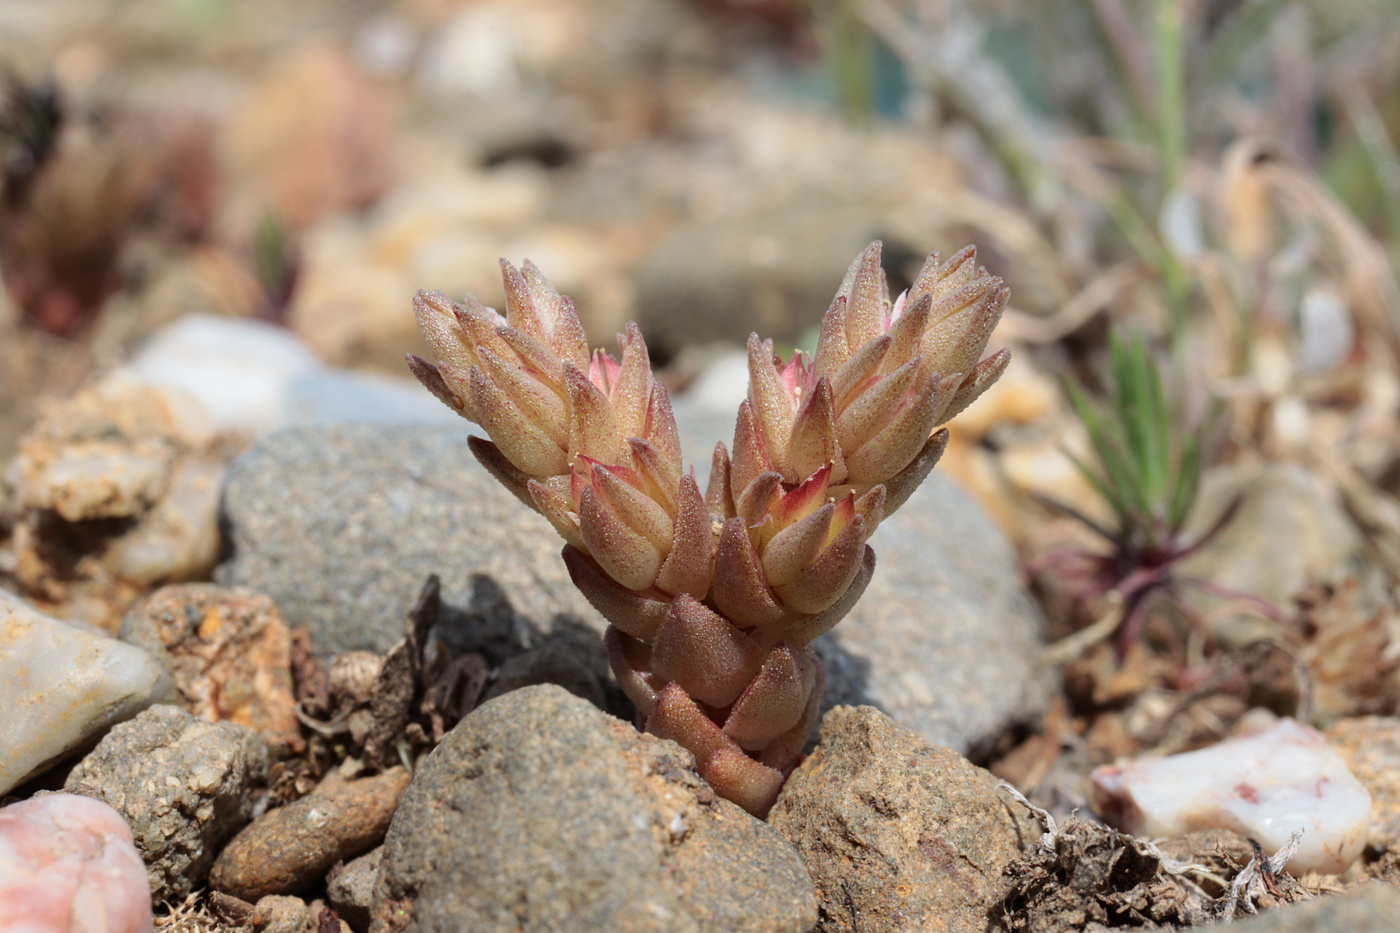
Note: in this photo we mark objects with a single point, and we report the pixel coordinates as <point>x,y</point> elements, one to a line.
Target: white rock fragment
<point>238,371</point>
<point>1264,786</point>
<point>60,685</point>
<point>251,377</point>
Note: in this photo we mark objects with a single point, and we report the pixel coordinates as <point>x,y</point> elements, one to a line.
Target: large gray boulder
<point>340,525</point>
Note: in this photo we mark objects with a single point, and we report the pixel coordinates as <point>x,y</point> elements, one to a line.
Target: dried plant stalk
<point>713,600</point>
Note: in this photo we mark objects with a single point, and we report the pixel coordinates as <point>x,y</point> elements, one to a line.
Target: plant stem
<point>1171,142</point>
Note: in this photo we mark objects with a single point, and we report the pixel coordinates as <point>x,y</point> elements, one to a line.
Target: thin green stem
<point>1383,160</point>
<point>1171,142</point>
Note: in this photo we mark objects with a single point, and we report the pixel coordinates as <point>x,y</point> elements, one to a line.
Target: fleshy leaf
<point>690,565</point>
<point>703,652</point>
<point>775,700</point>
<point>630,661</point>
<point>623,554</point>
<point>739,590</point>
<point>636,613</point>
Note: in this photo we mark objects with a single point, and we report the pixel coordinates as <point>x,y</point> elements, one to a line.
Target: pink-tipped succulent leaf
<point>713,600</point>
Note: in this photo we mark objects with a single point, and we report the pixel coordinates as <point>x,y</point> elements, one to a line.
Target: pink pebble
<point>68,865</point>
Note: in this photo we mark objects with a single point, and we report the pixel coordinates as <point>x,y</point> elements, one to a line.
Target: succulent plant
<point>714,599</point>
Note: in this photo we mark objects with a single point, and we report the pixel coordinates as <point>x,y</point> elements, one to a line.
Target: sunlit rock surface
<point>68,865</point>
<point>1264,786</point>
<point>61,685</point>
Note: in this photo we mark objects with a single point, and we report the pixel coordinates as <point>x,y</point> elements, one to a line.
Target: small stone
<point>178,538</point>
<point>251,377</point>
<point>538,811</point>
<point>289,849</point>
<point>106,452</point>
<point>897,833</point>
<point>1263,785</point>
<point>279,913</point>
<point>228,651</point>
<point>237,370</point>
<point>68,865</point>
<point>350,889</point>
<point>773,271</point>
<point>117,489</point>
<point>184,786</point>
<point>61,686</point>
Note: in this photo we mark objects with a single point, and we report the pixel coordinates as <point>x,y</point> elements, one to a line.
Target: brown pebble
<point>289,849</point>
<point>279,914</point>
<point>228,651</point>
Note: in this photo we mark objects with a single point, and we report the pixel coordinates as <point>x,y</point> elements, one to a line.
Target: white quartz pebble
<point>1263,786</point>
<point>68,865</point>
<point>60,686</point>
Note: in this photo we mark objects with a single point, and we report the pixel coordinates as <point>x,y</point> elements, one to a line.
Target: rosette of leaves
<point>714,598</point>
<point>1146,468</point>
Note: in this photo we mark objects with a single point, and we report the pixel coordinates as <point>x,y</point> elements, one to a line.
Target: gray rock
<point>183,785</point>
<point>341,525</point>
<point>897,833</point>
<point>62,686</point>
<point>540,812</point>
<point>350,888</point>
<point>1371,908</point>
<point>945,639</point>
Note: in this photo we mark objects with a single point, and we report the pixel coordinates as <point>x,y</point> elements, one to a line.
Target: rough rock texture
<point>60,686</point>
<point>350,888</point>
<point>388,506</point>
<point>898,834</point>
<point>67,865</point>
<point>117,489</point>
<point>1371,908</point>
<point>228,651</point>
<point>287,850</point>
<point>279,913</point>
<point>184,786</point>
<point>1370,745</point>
<point>539,812</point>
<point>945,639</point>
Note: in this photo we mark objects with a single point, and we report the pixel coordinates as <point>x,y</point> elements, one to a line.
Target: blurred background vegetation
<point>1217,179</point>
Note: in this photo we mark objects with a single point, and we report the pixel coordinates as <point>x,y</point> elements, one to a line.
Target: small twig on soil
<point>1052,830</point>
<point>1259,877</point>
